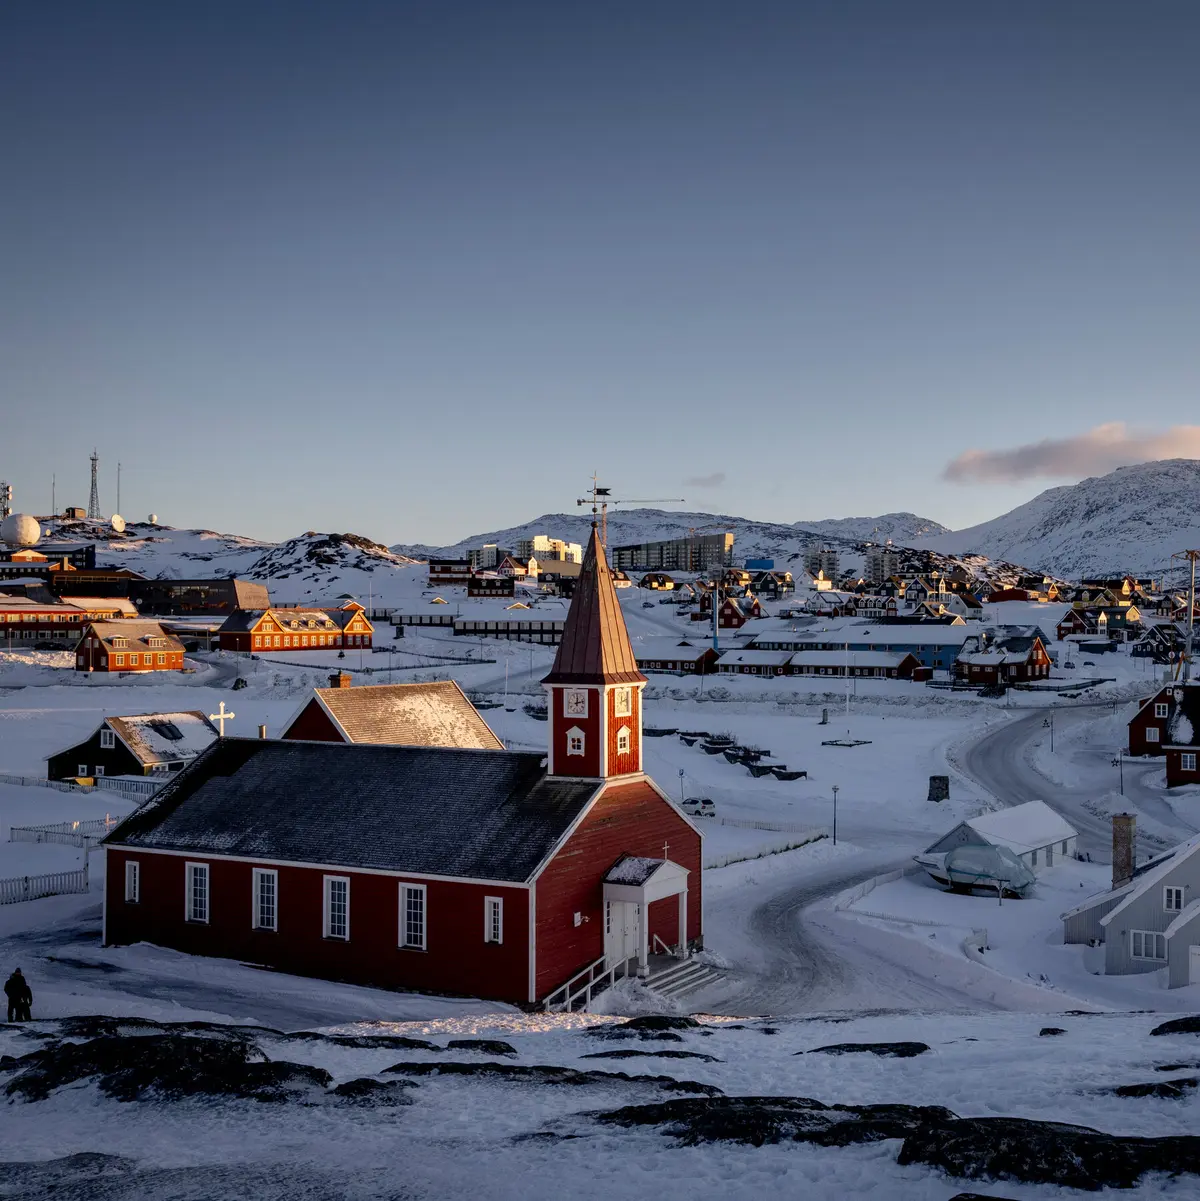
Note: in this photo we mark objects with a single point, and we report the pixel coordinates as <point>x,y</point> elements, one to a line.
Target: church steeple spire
<point>595,686</point>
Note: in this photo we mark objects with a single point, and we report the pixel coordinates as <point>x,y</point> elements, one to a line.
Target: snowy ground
<point>453,1136</point>
<point>1023,938</point>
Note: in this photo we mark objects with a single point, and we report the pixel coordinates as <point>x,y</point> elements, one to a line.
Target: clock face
<point>621,702</point>
<point>576,702</point>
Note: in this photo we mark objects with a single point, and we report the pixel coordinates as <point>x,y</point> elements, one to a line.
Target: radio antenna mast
<point>94,499</point>
<point>1191,556</point>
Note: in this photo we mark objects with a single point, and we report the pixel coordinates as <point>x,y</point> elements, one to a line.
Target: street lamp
<point>1119,762</point>
<point>836,790</point>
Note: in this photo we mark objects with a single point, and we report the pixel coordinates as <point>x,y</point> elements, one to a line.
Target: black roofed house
<point>474,871</point>
<point>141,744</point>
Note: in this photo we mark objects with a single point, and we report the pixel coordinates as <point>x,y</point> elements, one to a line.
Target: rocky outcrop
<point>901,1050</point>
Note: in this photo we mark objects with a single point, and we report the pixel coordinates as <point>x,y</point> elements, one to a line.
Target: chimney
<point>262,731</point>
<point>1124,828</point>
<point>340,679</point>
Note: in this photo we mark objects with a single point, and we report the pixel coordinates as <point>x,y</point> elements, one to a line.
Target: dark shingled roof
<point>595,646</point>
<point>490,815</point>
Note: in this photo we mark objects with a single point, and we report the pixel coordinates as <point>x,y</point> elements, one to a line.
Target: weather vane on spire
<point>601,498</point>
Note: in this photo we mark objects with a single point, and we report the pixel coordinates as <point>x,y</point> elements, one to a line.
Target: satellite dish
<point>153,519</point>
<point>118,523</point>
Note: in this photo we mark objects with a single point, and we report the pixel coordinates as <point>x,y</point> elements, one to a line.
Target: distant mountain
<point>898,527</point>
<point>1130,520</point>
<point>785,544</point>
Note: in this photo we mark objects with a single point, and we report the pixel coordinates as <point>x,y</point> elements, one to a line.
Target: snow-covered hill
<point>1130,520</point>
<point>899,527</point>
<point>312,568</point>
<point>784,543</point>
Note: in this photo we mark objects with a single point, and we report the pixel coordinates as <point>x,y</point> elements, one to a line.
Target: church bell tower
<point>594,689</point>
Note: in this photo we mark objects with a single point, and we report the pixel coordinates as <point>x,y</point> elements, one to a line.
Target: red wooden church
<point>461,870</point>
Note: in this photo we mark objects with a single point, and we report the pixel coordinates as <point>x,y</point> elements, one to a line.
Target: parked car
<point>699,807</point>
<point>647,604</point>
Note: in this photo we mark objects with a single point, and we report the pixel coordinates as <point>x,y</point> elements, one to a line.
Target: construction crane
<point>601,498</point>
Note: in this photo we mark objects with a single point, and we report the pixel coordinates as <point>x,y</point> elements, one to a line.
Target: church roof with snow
<point>485,815</point>
<point>595,647</point>
<point>429,714</point>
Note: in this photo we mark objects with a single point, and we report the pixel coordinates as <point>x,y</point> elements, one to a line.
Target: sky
<point>416,270</point>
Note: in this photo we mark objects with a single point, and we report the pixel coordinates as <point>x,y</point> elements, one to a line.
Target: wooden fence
<point>30,888</point>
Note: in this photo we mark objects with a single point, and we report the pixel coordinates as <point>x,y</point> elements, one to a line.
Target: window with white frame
<point>1146,944</point>
<point>133,881</point>
<point>266,899</point>
<point>107,739</point>
<point>196,876</point>
<point>1161,709</point>
<point>1172,898</point>
<point>337,907</point>
<point>83,771</point>
<point>412,916</point>
<point>574,741</point>
<point>1187,761</point>
<point>99,770</point>
<point>623,741</point>
<point>493,919</point>
<point>1152,733</point>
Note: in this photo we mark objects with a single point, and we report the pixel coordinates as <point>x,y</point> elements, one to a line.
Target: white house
<point>1033,832</point>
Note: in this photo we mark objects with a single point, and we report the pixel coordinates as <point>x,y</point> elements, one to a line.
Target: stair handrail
<point>665,950</point>
<point>591,983</point>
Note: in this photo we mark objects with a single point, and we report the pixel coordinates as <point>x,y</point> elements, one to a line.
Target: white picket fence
<point>774,827</point>
<point>71,834</point>
<point>38,782</point>
<point>127,787</point>
<point>30,888</point>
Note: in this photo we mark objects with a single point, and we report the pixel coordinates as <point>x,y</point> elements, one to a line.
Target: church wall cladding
<point>457,959</point>
<point>632,759</point>
<point>630,818</point>
<point>566,764</point>
<point>313,725</point>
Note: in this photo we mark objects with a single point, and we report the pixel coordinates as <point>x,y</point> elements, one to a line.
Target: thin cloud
<point>1097,452</point>
<point>705,481</point>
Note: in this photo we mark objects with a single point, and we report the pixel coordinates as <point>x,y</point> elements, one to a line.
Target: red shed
<point>470,871</point>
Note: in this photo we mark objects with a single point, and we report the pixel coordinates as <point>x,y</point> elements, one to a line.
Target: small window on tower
<point>623,741</point>
<point>575,741</point>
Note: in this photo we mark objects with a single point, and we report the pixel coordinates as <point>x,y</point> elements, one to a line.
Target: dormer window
<point>623,741</point>
<point>120,643</point>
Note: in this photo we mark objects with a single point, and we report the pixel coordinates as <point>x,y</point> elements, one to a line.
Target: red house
<point>481,872</point>
<point>296,629</point>
<point>1150,727</point>
<point>117,646</point>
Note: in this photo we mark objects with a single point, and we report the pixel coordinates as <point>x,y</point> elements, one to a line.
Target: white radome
<point>153,519</point>
<point>19,529</point>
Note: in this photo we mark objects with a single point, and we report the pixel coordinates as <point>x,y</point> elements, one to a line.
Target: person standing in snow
<point>20,997</point>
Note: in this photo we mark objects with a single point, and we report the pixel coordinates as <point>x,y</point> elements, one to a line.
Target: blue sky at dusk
<point>415,270</point>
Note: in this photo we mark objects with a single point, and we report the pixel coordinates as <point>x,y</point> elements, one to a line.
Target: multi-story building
<point>484,558</point>
<point>699,552</point>
<point>881,563</point>
<point>822,559</point>
<point>541,547</point>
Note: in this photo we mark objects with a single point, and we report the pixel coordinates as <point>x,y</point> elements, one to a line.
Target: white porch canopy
<point>636,881</point>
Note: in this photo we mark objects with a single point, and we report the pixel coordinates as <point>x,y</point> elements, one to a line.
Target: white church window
<point>266,893</point>
<point>493,919</point>
<point>197,892</point>
<point>622,702</point>
<point>574,741</point>
<point>337,907</point>
<point>412,916</point>
<point>623,741</point>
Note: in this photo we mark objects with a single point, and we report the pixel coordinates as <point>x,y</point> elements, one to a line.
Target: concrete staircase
<point>675,978</point>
